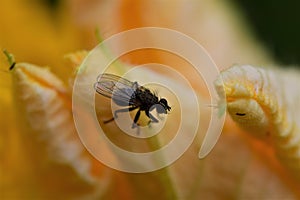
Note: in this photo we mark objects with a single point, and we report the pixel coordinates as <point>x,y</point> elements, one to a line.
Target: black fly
<point>130,94</point>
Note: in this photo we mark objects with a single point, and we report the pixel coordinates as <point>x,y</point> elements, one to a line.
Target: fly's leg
<point>138,129</point>
<point>119,111</point>
<point>136,118</point>
<point>135,124</point>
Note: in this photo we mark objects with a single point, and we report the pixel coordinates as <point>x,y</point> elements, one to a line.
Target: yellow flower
<point>264,102</point>
<point>35,163</point>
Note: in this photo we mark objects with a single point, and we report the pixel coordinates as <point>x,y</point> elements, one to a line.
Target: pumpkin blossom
<point>41,152</point>
<point>264,102</point>
<point>168,177</point>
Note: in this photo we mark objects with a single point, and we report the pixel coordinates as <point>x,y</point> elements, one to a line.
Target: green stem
<point>119,66</point>
<point>164,175</point>
<point>10,58</point>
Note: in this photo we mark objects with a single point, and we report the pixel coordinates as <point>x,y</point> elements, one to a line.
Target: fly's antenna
<point>172,108</point>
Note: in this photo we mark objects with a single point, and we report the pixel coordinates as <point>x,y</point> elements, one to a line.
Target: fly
<point>132,95</point>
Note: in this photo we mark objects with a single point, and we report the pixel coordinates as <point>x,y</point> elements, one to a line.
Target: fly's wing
<point>119,89</point>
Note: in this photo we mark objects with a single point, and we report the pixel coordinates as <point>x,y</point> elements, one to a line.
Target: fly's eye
<point>164,103</point>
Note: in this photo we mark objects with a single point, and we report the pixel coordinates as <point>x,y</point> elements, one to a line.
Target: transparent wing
<point>119,89</point>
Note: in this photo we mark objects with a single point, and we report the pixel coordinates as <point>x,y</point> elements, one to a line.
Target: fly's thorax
<point>146,97</point>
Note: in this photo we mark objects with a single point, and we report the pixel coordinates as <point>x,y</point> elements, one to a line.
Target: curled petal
<point>51,135</point>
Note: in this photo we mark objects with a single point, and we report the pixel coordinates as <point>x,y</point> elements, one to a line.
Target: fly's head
<point>164,106</point>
